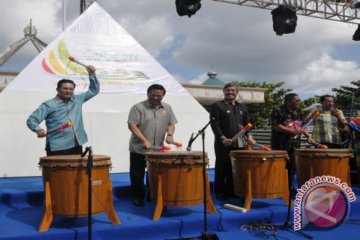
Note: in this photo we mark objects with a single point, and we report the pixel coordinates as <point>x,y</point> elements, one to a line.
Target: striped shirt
<point>326,128</point>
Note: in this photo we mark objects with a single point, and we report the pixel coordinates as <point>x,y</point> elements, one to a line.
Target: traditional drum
<point>66,187</point>
<point>176,179</point>
<point>317,162</point>
<point>259,174</point>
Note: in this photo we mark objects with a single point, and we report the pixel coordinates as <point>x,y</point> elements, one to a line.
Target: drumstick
<point>77,61</point>
<point>318,145</point>
<point>61,128</point>
<point>263,147</point>
<point>177,144</point>
<point>242,131</point>
<point>159,148</point>
<point>312,118</point>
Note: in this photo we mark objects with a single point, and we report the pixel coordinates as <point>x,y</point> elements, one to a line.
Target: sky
<point>235,41</point>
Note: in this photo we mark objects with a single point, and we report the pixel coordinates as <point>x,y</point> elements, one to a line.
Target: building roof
<point>212,80</point>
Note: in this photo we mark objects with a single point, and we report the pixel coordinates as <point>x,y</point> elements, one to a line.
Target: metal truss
<point>84,4</point>
<point>330,10</point>
<point>30,35</point>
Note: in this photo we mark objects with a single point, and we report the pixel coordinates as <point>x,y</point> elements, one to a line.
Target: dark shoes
<point>138,202</point>
<point>222,197</point>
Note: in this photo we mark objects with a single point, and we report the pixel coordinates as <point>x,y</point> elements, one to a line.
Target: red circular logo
<point>326,206</point>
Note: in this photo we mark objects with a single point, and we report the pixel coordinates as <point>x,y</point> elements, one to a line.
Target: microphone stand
<point>89,166</point>
<point>205,235</point>
<point>287,225</point>
<point>291,172</point>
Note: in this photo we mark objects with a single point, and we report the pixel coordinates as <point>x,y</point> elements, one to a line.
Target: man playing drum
<point>286,125</point>
<point>227,118</point>
<point>286,129</point>
<point>65,132</point>
<point>148,122</point>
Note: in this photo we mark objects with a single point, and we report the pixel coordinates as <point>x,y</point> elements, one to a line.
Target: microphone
<point>188,148</point>
<point>334,112</point>
<point>77,61</point>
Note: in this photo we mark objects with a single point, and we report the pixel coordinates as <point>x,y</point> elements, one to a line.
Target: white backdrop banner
<point>123,65</point>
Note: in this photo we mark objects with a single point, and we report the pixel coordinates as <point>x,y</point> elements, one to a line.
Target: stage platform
<point>21,209</point>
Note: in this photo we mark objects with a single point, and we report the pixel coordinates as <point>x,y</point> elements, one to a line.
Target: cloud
<point>153,32</point>
<point>237,42</point>
<point>319,76</point>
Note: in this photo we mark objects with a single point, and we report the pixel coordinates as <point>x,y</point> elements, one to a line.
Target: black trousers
<point>137,173</point>
<point>224,183</point>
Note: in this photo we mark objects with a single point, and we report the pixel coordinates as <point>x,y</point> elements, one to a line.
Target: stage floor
<point>21,209</point>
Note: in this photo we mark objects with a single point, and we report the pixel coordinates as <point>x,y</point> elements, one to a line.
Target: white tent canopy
<point>125,70</point>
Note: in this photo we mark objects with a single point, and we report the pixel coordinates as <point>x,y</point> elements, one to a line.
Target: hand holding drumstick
<point>262,147</point>
<point>42,133</point>
<point>159,148</point>
<point>89,68</point>
<point>177,144</point>
<point>228,141</point>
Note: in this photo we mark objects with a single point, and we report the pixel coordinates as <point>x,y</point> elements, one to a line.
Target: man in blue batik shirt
<point>65,132</point>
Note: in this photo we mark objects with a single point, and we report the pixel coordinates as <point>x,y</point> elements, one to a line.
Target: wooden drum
<point>317,162</point>
<point>259,174</point>
<point>66,186</point>
<point>175,179</point>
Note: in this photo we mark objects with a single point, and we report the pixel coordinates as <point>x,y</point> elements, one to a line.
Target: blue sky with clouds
<point>236,42</point>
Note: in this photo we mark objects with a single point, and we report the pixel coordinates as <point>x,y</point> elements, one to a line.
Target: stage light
<point>355,4</point>
<point>284,20</point>
<point>187,7</point>
<point>356,36</point>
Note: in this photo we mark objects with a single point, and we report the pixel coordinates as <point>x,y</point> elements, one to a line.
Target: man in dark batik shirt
<point>286,129</point>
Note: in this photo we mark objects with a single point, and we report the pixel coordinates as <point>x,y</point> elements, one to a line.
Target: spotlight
<point>354,4</point>
<point>187,7</point>
<point>356,36</point>
<point>284,20</point>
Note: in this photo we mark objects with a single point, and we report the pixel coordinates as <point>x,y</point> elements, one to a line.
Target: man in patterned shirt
<point>329,125</point>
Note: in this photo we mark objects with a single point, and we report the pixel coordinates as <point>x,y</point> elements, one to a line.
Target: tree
<point>259,113</point>
<point>347,97</point>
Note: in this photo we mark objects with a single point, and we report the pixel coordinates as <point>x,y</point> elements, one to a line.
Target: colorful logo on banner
<point>57,63</point>
<point>323,201</point>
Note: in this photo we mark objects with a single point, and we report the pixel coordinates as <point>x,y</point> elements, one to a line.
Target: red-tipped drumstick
<point>177,144</point>
<point>61,128</point>
<point>263,147</point>
<point>312,118</point>
<point>242,131</point>
<point>160,148</point>
<point>71,58</point>
<point>318,145</point>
